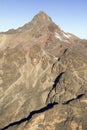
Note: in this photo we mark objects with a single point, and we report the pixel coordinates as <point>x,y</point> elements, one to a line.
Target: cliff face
<point>43,78</point>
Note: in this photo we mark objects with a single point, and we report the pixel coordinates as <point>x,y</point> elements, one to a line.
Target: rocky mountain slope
<point>43,78</point>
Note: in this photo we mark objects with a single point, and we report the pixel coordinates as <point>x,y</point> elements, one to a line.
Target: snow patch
<point>66,35</point>
<point>58,36</point>
<point>56,58</point>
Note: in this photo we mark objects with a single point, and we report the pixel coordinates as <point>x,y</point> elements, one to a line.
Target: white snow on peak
<point>58,36</point>
<point>66,35</point>
<point>63,36</point>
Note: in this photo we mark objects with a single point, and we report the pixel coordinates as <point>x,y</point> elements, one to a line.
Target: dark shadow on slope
<point>57,80</point>
<point>65,51</point>
<point>77,98</point>
<point>49,106</point>
<point>55,84</point>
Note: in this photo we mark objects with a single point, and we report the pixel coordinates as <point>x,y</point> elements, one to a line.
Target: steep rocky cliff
<point>43,78</point>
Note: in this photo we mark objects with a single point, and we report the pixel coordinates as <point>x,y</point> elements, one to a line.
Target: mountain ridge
<point>41,15</point>
<point>43,31</point>
<point>43,78</point>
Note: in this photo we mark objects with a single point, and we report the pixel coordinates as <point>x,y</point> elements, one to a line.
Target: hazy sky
<point>70,15</point>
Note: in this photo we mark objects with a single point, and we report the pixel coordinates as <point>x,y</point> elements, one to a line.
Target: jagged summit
<point>42,66</point>
<point>45,32</point>
<point>42,17</point>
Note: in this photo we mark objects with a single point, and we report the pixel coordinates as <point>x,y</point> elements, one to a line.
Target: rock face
<point>43,78</point>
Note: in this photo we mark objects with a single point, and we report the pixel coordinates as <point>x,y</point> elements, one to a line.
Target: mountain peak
<point>42,13</point>
<point>42,17</point>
